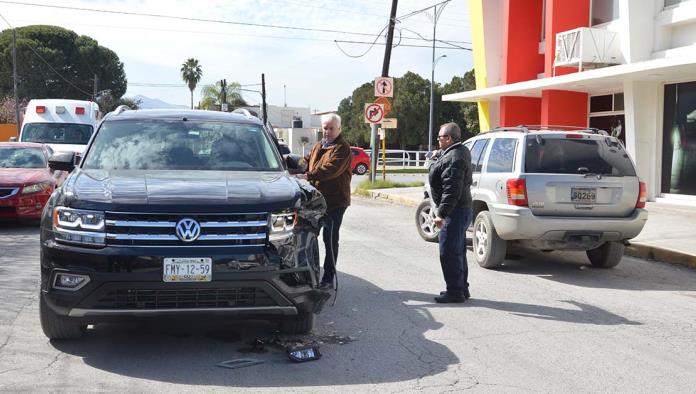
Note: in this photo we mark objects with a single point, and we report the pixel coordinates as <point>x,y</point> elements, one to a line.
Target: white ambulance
<point>64,125</point>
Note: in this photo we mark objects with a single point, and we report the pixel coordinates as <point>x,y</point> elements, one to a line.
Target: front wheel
<point>58,327</point>
<point>361,169</point>
<point>425,221</point>
<point>489,248</point>
<point>606,256</point>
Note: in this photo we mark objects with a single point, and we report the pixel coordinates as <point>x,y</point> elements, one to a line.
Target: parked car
<point>178,212</point>
<point>360,161</point>
<point>552,189</point>
<point>26,182</point>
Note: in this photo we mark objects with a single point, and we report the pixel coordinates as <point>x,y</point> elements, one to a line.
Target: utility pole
<point>223,96</point>
<point>285,97</point>
<point>436,16</point>
<point>14,77</point>
<point>264,111</point>
<point>374,137</point>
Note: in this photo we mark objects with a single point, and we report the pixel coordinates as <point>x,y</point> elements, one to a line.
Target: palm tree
<point>191,73</point>
<point>212,96</point>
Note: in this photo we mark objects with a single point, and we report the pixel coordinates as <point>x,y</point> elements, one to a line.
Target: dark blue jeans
<point>452,241</point>
<point>332,223</point>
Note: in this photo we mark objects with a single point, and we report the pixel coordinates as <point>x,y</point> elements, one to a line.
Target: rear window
<point>561,155</point>
<point>57,133</point>
<point>22,158</point>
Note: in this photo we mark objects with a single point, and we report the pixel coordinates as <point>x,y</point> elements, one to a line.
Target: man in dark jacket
<point>329,171</point>
<point>450,182</point>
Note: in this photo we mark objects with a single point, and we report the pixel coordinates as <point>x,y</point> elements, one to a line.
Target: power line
<point>48,64</point>
<point>403,45</point>
<point>191,19</point>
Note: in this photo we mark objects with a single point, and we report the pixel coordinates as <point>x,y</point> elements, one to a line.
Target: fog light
<point>70,281</point>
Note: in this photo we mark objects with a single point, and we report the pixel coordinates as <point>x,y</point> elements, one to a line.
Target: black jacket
<point>450,180</point>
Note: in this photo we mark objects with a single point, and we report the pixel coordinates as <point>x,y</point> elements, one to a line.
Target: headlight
<point>37,187</point>
<point>78,226</point>
<point>282,224</point>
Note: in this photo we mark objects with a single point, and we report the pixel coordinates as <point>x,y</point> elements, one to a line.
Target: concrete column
<point>636,24</point>
<point>642,105</point>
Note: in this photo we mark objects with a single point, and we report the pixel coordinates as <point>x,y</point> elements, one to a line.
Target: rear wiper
<point>586,172</point>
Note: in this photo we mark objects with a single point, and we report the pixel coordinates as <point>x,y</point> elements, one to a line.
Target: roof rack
<point>245,112</point>
<point>521,128</point>
<point>121,108</point>
<point>592,130</point>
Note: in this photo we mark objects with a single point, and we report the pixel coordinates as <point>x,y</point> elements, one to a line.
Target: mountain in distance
<point>153,103</point>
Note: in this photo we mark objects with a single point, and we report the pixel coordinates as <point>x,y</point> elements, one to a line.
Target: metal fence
<point>401,158</point>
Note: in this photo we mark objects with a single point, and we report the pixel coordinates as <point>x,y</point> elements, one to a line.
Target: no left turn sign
<point>374,113</point>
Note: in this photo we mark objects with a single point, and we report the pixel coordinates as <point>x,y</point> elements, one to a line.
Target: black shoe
<point>326,286</point>
<point>466,294</point>
<point>450,299</point>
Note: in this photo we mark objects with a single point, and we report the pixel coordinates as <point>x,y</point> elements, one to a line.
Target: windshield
<point>57,133</point>
<point>561,155</point>
<point>22,158</point>
<point>181,145</point>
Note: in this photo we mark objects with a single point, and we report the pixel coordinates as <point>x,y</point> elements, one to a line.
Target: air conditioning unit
<point>586,47</point>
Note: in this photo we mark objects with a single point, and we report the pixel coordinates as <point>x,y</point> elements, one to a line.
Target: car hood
<point>198,188</point>
<point>23,176</point>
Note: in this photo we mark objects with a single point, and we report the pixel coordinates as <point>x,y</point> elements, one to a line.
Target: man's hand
<point>301,176</point>
<point>439,222</point>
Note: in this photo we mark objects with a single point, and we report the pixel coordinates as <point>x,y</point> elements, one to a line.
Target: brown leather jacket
<point>329,171</point>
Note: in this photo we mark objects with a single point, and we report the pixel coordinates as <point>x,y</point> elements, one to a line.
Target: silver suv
<point>553,189</point>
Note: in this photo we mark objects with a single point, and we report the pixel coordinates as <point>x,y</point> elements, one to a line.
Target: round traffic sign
<point>374,112</point>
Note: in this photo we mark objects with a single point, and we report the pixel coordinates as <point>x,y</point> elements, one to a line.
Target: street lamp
<point>432,101</point>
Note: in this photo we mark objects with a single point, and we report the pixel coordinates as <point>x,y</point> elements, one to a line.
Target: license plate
<point>188,269</point>
<point>583,194</point>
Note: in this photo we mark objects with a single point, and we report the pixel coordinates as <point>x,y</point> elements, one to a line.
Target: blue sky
<point>317,74</point>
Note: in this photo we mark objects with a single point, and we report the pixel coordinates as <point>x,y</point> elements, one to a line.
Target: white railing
<point>401,158</point>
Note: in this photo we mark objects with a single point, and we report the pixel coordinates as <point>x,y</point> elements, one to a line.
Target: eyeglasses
<point>442,136</point>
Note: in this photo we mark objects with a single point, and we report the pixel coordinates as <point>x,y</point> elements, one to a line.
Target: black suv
<point>175,213</point>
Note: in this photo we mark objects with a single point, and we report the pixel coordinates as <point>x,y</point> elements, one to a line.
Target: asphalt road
<point>541,323</point>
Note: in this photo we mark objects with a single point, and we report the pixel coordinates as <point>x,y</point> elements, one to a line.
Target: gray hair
<point>452,129</point>
<point>326,118</point>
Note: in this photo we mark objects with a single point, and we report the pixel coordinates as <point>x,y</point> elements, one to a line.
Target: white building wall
<point>636,28</point>
<point>493,14</point>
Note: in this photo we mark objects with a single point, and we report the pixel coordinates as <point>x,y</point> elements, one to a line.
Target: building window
<point>604,11</point>
<point>607,103</point>
<point>607,113</point>
<point>679,139</point>
<point>669,3</point>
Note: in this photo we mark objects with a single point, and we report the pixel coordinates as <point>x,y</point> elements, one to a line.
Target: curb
<point>376,194</point>
<point>664,255</point>
<point>641,251</point>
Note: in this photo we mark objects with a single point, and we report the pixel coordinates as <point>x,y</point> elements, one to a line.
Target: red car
<point>360,161</point>
<point>26,182</point>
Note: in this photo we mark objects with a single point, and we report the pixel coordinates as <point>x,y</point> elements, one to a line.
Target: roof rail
<point>245,112</point>
<point>121,108</point>
<point>521,128</point>
<point>592,130</point>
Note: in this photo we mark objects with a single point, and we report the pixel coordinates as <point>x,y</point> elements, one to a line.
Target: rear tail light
<point>79,110</point>
<point>40,109</point>
<point>517,192</point>
<point>642,195</point>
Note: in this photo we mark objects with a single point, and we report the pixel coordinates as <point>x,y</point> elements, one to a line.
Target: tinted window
<point>502,156</point>
<point>604,11</point>
<point>181,145</point>
<point>57,133</point>
<point>560,155</point>
<point>476,153</point>
<point>22,158</point>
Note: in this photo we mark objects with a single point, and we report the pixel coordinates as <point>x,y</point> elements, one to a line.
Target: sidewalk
<point>669,234</point>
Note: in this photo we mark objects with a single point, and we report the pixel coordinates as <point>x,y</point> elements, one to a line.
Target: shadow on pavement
<point>573,268</point>
<point>389,346</point>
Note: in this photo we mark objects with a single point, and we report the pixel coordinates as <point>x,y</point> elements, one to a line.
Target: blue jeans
<point>452,240</point>
<point>332,223</point>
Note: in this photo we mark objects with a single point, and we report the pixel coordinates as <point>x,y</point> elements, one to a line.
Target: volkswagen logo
<point>188,230</point>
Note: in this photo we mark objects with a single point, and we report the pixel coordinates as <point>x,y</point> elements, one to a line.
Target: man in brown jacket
<point>329,171</point>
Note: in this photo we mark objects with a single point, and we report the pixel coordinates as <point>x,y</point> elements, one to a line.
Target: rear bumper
<point>23,207</point>
<point>553,232</point>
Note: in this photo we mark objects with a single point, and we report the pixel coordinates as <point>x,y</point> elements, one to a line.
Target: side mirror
<point>62,161</point>
<point>13,139</point>
<point>296,164</point>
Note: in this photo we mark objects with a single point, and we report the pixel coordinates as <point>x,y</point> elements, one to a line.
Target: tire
<point>301,324</point>
<point>425,221</point>
<point>361,169</point>
<point>58,327</point>
<point>608,255</point>
<point>489,249</point>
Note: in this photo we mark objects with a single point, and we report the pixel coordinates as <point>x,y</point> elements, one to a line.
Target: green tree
<point>464,114</point>
<point>76,58</point>
<point>212,96</point>
<point>191,73</point>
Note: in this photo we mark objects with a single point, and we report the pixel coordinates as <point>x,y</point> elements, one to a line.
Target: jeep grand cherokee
<point>177,213</point>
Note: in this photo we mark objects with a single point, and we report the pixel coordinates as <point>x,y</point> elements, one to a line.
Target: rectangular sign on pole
<point>389,123</point>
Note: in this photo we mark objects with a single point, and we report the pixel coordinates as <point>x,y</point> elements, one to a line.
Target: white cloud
<point>315,71</point>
